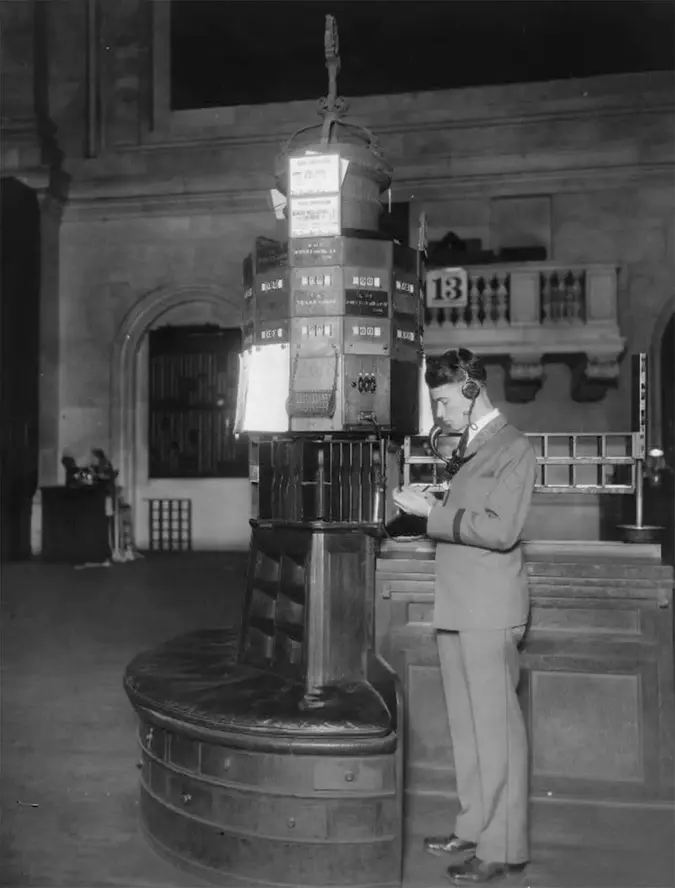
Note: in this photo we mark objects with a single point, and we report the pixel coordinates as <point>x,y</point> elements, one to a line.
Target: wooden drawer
<point>292,818</point>
<point>232,765</point>
<point>274,816</point>
<point>189,795</point>
<point>354,774</point>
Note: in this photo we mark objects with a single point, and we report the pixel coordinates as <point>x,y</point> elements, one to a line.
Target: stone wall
<point>159,202</point>
<point>629,225</point>
<point>132,234</point>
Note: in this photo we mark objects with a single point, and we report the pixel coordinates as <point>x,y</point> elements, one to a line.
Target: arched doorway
<point>661,499</point>
<point>20,224</point>
<point>667,390</point>
<point>221,504</point>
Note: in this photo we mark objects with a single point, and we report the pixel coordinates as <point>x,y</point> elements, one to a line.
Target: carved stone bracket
<point>524,378</point>
<point>593,375</point>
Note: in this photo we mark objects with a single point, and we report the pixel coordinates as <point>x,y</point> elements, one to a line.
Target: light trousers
<point>480,670</point>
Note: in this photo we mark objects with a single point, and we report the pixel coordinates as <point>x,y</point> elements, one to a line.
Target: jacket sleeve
<point>499,523</point>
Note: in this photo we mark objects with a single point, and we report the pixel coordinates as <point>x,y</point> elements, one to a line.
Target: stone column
<point>49,456</point>
<point>20,142</point>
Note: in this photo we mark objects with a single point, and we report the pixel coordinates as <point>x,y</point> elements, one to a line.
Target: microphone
<point>457,460</point>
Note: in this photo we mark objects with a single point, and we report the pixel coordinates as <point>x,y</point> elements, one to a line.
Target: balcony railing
<point>562,299</point>
<point>548,297</point>
<point>530,311</point>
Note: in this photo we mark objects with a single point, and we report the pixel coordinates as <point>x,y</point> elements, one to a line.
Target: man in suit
<point>481,612</point>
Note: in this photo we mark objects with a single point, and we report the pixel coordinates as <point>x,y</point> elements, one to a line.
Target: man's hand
<point>413,502</point>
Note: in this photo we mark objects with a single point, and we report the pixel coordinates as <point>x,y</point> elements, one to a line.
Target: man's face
<point>450,407</point>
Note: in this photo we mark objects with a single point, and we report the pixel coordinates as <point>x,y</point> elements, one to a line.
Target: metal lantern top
<point>355,142</point>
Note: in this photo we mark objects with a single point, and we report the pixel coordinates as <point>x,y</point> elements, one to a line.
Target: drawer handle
<point>139,765</point>
<point>186,798</point>
<point>349,776</point>
<point>291,822</point>
<point>227,764</point>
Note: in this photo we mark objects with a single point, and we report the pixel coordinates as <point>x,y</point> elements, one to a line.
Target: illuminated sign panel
<point>264,385</point>
<point>315,216</point>
<point>314,174</point>
<point>426,416</point>
<point>317,251</point>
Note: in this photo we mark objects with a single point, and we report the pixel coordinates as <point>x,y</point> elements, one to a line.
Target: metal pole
<point>639,492</point>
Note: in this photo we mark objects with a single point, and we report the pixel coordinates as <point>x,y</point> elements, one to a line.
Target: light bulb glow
<point>264,385</point>
<point>426,412</point>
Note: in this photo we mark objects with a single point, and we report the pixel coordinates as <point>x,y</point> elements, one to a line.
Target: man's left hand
<point>412,502</point>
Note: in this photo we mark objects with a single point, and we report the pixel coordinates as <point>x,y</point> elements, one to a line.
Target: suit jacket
<point>481,580</point>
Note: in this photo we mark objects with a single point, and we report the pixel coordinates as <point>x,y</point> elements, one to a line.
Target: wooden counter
<point>596,687</point>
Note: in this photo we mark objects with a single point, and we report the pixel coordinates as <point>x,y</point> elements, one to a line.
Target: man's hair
<point>456,365</point>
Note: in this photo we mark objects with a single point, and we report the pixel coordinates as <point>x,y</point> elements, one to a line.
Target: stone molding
<point>524,377</point>
<point>216,135</point>
<point>593,375</point>
<point>91,201</point>
<point>481,106</point>
<point>439,143</point>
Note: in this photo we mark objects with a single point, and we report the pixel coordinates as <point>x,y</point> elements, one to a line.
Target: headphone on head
<point>470,388</point>
<point>469,365</point>
<point>473,371</point>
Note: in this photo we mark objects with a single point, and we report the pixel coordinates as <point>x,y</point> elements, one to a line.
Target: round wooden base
<point>647,533</point>
<point>240,798</point>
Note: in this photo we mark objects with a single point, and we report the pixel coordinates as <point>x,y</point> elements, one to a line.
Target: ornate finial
<point>331,40</point>
<point>331,106</point>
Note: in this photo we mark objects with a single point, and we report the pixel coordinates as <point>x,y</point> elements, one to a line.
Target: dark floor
<point>69,782</point>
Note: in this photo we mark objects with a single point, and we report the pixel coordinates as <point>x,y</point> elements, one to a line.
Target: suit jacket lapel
<point>485,434</point>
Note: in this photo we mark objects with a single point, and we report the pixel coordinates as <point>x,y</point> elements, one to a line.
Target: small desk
<point>75,527</point>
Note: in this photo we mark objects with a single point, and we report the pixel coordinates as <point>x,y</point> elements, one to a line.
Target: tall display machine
<point>330,372</point>
<point>283,765</point>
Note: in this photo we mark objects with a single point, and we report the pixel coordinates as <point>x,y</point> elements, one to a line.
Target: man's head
<point>456,382</point>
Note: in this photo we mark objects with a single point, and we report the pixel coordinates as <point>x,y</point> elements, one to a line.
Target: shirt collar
<point>480,424</point>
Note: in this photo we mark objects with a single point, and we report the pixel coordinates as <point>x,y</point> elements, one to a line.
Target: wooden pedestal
<point>309,601</point>
<point>240,786</point>
<point>265,818</point>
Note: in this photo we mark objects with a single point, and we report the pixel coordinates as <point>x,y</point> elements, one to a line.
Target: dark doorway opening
<point>192,404</point>
<point>19,364</point>
<point>666,493</point>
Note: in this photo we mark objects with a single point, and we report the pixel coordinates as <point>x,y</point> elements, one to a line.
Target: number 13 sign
<point>447,288</point>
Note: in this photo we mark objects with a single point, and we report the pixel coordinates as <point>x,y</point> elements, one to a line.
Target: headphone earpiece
<point>471,389</point>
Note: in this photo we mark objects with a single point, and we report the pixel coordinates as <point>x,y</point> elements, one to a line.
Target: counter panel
<point>596,685</point>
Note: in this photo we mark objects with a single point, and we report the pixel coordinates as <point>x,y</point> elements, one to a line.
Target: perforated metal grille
<point>170,525</point>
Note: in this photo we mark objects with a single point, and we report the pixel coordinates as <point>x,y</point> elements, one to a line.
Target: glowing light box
<point>314,174</point>
<point>264,386</point>
<point>426,413</point>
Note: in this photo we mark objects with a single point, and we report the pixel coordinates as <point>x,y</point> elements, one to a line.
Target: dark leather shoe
<point>448,845</point>
<point>478,872</point>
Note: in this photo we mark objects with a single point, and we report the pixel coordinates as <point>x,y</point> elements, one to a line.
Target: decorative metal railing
<point>568,463</point>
